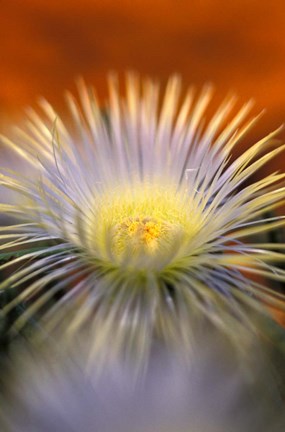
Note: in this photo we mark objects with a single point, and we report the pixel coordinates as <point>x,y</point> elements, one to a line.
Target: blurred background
<point>238,45</point>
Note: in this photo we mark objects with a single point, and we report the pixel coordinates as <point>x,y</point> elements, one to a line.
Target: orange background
<point>237,45</point>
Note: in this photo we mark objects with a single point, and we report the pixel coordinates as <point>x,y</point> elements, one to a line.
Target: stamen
<point>140,233</point>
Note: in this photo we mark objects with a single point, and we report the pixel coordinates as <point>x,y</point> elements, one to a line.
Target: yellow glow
<point>146,220</point>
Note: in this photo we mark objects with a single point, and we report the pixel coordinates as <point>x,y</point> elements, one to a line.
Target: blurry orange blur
<point>237,45</point>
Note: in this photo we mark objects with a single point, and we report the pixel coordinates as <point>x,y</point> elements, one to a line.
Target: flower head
<point>141,219</point>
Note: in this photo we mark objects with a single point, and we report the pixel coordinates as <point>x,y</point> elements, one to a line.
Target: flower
<point>135,221</point>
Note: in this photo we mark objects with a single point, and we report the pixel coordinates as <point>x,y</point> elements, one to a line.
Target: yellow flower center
<point>142,226</point>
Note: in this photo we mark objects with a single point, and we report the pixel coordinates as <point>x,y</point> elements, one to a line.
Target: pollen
<point>140,233</point>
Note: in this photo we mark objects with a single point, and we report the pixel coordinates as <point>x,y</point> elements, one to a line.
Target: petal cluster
<point>136,222</point>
